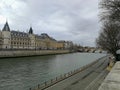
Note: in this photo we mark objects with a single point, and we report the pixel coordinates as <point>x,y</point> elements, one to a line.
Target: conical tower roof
<point>31,30</point>
<point>6,27</point>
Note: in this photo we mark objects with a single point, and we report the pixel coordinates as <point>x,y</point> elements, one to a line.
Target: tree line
<point>109,37</point>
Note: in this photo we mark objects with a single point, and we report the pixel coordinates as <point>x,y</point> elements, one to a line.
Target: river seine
<point>25,72</point>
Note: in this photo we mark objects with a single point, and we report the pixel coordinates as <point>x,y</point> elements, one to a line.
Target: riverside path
<point>88,79</point>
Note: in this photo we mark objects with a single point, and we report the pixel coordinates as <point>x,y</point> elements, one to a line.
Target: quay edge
<point>28,53</point>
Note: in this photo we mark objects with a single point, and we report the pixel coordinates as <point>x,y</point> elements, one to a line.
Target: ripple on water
<point>23,73</point>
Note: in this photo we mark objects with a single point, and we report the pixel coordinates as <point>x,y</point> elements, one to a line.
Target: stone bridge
<point>90,50</point>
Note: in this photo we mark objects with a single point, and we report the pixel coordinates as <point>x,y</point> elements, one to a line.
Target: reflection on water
<point>26,72</point>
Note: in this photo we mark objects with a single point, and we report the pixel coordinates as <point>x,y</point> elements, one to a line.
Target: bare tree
<point>110,10</point>
<point>109,38</point>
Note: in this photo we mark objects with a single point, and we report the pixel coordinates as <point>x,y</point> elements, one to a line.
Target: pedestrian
<point>109,61</point>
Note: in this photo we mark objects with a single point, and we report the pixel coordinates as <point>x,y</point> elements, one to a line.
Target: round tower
<point>32,38</point>
<point>6,36</point>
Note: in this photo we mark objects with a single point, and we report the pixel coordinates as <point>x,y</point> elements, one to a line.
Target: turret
<point>6,36</point>
<point>31,30</point>
<point>32,38</point>
<point>6,27</point>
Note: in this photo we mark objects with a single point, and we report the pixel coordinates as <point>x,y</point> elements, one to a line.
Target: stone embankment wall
<point>20,53</point>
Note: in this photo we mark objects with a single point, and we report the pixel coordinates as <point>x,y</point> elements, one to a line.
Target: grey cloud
<point>74,20</point>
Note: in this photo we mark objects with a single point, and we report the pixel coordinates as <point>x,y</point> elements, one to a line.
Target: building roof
<point>38,36</point>
<point>23,34</point>
<point>45,35</point>
<point>31,30</point>
<point>18,33</point>
<point>6,27</point>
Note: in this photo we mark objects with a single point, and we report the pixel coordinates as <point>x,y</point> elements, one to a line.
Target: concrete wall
<point>20,53</point>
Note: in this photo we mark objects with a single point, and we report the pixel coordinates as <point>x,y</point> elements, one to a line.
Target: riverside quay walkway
<point>88,77</point>
<point>112,81</point>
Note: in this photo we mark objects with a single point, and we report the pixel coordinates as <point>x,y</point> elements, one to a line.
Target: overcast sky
<point>75,20</point>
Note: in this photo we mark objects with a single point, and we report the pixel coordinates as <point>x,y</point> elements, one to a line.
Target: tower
<point>6,36</point>
<point>31,30</point>
<point>32,38</point>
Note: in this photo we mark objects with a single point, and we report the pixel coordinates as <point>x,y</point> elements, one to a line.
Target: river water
<point>23,73</point>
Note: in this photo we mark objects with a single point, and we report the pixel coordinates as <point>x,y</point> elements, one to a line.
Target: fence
<point>51,82</point>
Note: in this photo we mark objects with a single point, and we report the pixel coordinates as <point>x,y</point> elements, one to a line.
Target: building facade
<point>11,39</point>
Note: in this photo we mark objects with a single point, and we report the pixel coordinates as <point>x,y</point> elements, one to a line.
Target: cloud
<point>2,19</point>
<point>74,20</point>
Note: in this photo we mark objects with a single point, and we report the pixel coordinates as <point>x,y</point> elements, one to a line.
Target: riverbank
<point>80,78</point>
<point>88,79</point>
<point>26,72</point>
<point>112,81</point>
<point>25,53</point>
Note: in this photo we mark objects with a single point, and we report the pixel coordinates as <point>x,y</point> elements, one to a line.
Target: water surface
<point>23,73</point>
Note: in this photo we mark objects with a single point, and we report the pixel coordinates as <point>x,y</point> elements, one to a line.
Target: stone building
<point>1,40</point>
<point>11,39</point>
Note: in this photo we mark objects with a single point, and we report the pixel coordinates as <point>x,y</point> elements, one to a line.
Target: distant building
<point>66,44</point>
<point>11,39</point>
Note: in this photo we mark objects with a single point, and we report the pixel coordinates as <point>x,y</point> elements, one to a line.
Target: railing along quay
<point>55,80</point>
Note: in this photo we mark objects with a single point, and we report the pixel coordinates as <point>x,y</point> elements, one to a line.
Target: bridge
<point>90,50</point>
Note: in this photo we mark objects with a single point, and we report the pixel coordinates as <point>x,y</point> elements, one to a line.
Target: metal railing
<point>55,80</point>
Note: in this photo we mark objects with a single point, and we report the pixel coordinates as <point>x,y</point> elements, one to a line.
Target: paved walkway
<point>112,81</point>
<point>86,79</point>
